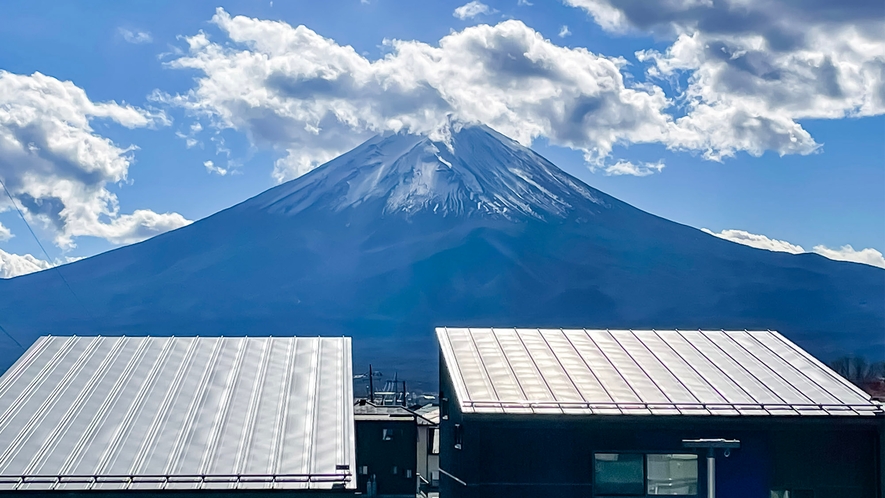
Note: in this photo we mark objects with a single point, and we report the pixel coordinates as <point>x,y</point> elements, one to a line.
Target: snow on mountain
<point>476,172</point>
<point>405,233</point>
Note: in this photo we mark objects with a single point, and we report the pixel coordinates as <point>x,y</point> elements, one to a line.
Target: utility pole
<point>711,445</point>
<point>371,385</point>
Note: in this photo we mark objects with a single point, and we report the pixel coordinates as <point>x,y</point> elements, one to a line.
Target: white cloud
<point>294,90</point>
<point>632,169</point>
<point>135,37</point>
<point>756,67</point>
<point>472,9</point>
<point>57,167</point>
<point>563,31</point>
<point>868,256</point>
<point>524,3</point>
<point>5,233</point>
<point>757,241</point>
<point>140,225</point>
<point>291,89</point>
<point>14,265</point>
<point>212,168</point>
<point>189,138</point>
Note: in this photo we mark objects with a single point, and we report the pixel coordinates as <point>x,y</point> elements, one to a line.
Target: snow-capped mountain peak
<point>477,172</point>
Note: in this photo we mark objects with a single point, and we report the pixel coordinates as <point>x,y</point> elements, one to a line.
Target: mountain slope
<point>404,233</point>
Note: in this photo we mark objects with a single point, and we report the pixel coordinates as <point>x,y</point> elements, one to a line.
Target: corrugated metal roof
<point>668,372</point>
<point>180,407</point>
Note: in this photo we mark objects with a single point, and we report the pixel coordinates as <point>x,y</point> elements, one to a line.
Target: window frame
<point>645,454</point>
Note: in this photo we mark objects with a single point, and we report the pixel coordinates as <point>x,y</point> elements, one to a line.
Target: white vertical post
<point>711,473</point>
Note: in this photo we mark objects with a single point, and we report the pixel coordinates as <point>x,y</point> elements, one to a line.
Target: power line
<point>48,259</point>
<point>12,338</point>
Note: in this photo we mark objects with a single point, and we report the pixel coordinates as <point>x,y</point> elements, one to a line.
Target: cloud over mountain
<point>867,256</point>
<point>57,167</point>
<point>14,265</point>
<point>291,88</point>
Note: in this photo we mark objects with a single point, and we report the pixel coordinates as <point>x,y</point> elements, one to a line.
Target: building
<point>386,459</point>
<point>119,416</point>
<point>592,413</point>
<point>428,447</point>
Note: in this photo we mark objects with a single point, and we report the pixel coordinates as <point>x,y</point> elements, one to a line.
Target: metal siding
<point>576,370</point>
<point>526,374</point>
<point>633,373</point>
<point>477,385</point>
<point>550,366</point>
<point>641,372</point>
<point>824,378</point>
<point>499,369</point>
<point>611,380</point>
<point>179,406</point>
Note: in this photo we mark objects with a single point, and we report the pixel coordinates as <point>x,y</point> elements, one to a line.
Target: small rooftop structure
<point>366,410</point>
<point>151,413</point>
<point>635,372</point>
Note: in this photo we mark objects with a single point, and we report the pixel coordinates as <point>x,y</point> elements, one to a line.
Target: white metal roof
<point>664,372</point>
<point>176,409</point>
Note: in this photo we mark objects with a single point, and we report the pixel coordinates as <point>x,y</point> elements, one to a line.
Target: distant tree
<point>858,370</point>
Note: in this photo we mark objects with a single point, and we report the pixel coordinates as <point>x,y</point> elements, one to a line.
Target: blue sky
<point>780,139</point>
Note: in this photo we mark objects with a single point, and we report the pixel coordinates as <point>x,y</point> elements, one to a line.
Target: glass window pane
<point>619,474</point>
<point>673,474</point>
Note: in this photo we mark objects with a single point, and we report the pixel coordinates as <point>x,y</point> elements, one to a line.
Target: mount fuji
<point>405,233</point>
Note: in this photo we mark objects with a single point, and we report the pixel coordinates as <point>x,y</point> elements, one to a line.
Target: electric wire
<point>48,260</point>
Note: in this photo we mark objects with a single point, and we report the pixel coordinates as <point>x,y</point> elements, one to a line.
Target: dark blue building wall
<point>540,455</point>
<point>555,458</point>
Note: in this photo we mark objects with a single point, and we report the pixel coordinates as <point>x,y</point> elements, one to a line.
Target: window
<point>672,474</point>
<point>620,474</point>
<point>792,493</point>
<point>434,441</point>
<point>443,406</point>
<point>386,434</point>
<point>636,474</point>
<point>459,436</point>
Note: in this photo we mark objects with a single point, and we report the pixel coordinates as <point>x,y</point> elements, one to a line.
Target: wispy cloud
<point>628,168</point>
<point>757,241</point>
<point>212,168</point>
<point>868,256</point>
<point>136,37</point>
<point>524,3</point>
<point>563,32</point>
<point>472,9</point>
